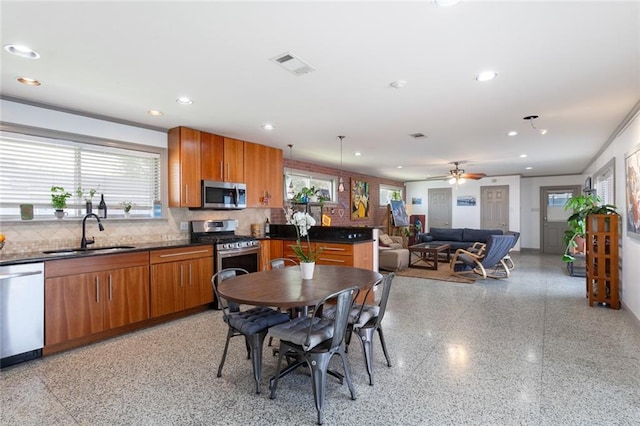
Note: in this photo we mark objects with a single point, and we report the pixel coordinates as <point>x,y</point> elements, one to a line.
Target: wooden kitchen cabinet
<point>233,160</point>
<point>180,279</point>
<point>357,255</point>
<point>222,158</point>
<point>184,167</point>
<point>263,175</point>
<point>88,295</point>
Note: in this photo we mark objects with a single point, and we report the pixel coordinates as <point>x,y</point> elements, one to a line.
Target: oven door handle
<point>235,252</point>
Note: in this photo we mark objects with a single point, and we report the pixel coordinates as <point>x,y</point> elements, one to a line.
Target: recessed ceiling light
<point>28,81</point>
<point>268,126</point>
<point>357,154</point>
<point>523,155</point>
<point>398,84</point>
<point>399,167</point>
<point>22,51</point>
<point>512,133</point>
<point>445,3</point>
<point>486,75</point>
<point>529,168</point>
<point>183,100</point>
<point>155,112</point>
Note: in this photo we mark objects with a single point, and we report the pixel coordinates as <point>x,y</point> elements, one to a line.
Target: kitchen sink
<point>87,250</point>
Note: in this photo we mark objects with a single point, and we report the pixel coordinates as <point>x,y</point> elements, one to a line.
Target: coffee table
<point>429,254</point>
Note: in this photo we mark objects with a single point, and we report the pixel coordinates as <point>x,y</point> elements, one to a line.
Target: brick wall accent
<point>376,214</point>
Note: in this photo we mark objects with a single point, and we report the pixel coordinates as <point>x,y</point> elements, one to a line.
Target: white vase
<point>307,269</point>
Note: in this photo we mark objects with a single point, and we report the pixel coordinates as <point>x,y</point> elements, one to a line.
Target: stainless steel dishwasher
<point>21,313</point>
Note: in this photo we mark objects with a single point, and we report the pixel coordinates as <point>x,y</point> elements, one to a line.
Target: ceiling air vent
<point>293,64</point>
<point>418,135</point>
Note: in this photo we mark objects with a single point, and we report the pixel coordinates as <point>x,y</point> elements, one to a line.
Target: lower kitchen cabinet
<point>84,296</point>
<point>180,279</point>
<point>358,255</point>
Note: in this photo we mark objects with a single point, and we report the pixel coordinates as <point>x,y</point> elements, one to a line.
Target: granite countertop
<point>18,258</point>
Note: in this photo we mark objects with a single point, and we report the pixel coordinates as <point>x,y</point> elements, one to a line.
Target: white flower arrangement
<point>302,221</point>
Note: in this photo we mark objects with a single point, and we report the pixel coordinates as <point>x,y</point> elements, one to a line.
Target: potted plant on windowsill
<point>582,206</point>
<point>59,200</point>
<point>88,198</point>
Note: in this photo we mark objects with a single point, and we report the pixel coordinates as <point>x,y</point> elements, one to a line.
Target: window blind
<point>30,165</point>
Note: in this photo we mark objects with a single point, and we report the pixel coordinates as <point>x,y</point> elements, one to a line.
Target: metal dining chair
<point>279,263</point>
<point>313,341</point>
<point>253,324</point>
<point>366,319</point>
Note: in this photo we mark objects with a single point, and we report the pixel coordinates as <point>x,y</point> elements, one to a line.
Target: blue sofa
<point>456,237</point>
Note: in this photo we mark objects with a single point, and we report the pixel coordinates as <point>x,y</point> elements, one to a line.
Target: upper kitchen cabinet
<point>184,167</point>
<point>263,175</point>
<point>222,158</point>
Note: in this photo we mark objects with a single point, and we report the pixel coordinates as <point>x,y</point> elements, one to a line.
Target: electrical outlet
<point>184,226</point>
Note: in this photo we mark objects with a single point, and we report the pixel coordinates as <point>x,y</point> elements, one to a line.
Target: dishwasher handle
<point>19,274</point>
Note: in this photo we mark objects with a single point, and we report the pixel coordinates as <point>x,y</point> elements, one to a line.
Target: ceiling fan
<point>458,175</point>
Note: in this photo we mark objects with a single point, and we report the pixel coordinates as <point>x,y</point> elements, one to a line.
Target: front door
<point>494,211</point>
<point>554,217</point>
<point>439,213</point>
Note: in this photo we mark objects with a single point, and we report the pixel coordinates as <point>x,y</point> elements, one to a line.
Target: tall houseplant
<point>582,206</point>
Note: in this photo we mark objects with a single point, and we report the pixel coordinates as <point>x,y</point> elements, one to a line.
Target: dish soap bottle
<point>102,208</point>
<point>266,228</point>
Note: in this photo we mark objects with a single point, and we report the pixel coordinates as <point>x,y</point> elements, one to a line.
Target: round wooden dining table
<point>286,289</point>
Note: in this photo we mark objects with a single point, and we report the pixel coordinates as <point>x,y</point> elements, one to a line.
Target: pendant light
<point>341,181</point>
<point>290,192</point>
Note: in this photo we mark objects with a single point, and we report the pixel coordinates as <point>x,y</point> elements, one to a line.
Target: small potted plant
<point>126,207</point>
<point>88,197</point>
<point>582,206</point>
<point>304,195</point>
<point>59,200</point>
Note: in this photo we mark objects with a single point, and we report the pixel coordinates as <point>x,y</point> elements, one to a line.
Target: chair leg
<point>273,384</point>
<point>347,374</point>
<point>384,346</point>
<point>318,363</point>
<point>255,341</point>
<point>347,338</point>
<point>366,337</point>
<point>224,353</point>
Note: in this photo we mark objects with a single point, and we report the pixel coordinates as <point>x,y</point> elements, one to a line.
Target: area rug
<point>442,274</point>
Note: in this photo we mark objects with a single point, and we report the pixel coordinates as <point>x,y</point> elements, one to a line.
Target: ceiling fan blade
<point>441,177</point>
<point>474,176</point>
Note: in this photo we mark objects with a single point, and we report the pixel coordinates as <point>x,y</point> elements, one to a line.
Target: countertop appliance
<point>229,250</point>
<point>21,313</point>
<point>224,195</point>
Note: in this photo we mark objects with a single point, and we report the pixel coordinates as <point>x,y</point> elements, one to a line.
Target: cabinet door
<point>197,282</point>
<point>126,296</point>
<point>233,160</point>
<point>167,294</point>
<point>212,152</point>
<point>263,175</point>
<point>73,307</point>
<point>184,167</point>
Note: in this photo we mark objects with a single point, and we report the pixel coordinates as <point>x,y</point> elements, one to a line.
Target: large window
<point>300,179</point>
<point>388,193</point>
<point>603,183</point>
<point>31,165</point>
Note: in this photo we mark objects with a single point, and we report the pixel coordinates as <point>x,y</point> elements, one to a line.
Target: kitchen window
<point>30,164</point>
<point>300,180</point>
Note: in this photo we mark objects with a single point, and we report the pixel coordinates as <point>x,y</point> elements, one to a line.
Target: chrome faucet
<point>84,242</point>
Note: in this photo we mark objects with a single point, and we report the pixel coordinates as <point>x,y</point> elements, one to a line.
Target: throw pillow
<point>385,240</point>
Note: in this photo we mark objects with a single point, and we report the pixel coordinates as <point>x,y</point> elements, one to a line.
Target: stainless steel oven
<point>229,250</point>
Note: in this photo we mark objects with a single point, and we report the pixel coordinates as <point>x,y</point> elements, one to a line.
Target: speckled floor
<point>524,351</point>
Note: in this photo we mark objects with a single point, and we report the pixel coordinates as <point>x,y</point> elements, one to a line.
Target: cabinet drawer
<point>337,260</point>
<point>84,265</point>
<point>334,249</point>
<point>182,253</point>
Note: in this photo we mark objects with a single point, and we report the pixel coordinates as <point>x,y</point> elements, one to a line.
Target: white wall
<point>530,208</point>
<point>466,216</point>
<point>618,149</point>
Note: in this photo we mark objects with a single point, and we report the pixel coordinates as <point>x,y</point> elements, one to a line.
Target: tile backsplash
<point>33,236</point>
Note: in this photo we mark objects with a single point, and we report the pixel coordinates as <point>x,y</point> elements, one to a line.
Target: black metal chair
<point>491,258</point>
<point>313,341</point>
<point>280,263</point>
<point>365,319</point>
<point>253,324</point>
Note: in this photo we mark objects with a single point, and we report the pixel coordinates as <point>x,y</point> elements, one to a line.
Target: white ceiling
<point>575,64</point>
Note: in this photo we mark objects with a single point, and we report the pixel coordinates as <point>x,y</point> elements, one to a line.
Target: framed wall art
<point>632,171</point>
<point>359,199</point>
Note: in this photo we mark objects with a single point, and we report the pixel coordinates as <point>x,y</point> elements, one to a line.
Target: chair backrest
<point>216,279</point>
<point>344,302</point>
<point>515,234</point>
<point>497,247</point>
<point>383,284</point>
<point>280,263</point>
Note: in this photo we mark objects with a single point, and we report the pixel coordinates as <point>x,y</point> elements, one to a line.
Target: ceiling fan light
<point>543,131</point>
<point>452,180</point>
<point>461,180</point>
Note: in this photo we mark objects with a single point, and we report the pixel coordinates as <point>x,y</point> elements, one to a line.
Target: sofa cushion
<point>446,234</point>
<point>385,240</point>
<point>479,235</point>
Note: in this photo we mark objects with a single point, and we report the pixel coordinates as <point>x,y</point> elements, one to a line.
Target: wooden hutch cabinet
<point>602,257</point>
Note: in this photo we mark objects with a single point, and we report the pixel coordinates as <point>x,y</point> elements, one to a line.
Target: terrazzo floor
<point>523,351</point>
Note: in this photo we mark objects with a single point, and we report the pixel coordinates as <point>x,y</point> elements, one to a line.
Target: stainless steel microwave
<point>224,195</point>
